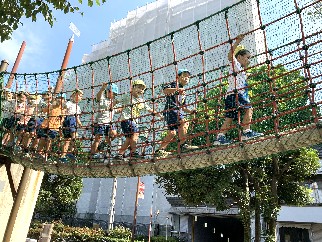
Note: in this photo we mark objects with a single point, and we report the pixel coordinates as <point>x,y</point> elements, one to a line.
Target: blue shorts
<point>39,121</point>
<point>103,129</point>
<point>31,125</point>
<point>10,123</point>
<point>231,104</point>
<point>21,127</point>
<point>46,133</point>
<point>69,126</point>
<point>129,127</point>
<point>173,118</point>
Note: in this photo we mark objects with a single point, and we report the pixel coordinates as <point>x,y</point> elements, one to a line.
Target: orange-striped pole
<point>16,64</point>
<point>60,80</point>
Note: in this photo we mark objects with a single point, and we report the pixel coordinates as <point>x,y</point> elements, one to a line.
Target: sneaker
<point>71,156</point>
<point>135,155</point>
<point>185,147</point>
<point>222,140</point>
<point>118,157</point>
<point>63,160</point>
<point>96,156</point>
<point>251,135</point>
<point>161,153</point>
<point>101,146</point>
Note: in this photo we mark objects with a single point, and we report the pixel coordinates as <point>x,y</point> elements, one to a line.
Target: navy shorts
<point>103,129</point>
<point>69,126</point>
<point>129,127</point>
<point>39,121</point>
<point>10,123</point>
<point>231,105</point>
<point>173,118</point>
<point>31,125</point>
<point>21,127</point>
<point>46,133</point>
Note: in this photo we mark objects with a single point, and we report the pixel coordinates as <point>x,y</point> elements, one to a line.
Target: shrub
<point>65,233</point>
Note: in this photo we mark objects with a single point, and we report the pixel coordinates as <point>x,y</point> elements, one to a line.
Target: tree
<point>58,195</point>
<point>11,12</point>
<point>260,185</point>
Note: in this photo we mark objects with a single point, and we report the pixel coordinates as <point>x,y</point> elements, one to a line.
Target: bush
<point>65,233</point>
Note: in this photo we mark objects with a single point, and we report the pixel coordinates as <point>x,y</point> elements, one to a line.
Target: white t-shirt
<point>138,105</point>
<point>240,78</point>
<point>8,108</point>
<point>104,114</point>
<point>72,108</point>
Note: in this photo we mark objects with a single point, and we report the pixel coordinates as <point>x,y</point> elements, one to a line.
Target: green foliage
<point>63,232</point>
<point>11,12</point>
<point>120,233</point>
<point>58,195</point>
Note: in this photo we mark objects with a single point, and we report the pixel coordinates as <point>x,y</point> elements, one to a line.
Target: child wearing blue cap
<point>174,114</point>
<point>102,126</point>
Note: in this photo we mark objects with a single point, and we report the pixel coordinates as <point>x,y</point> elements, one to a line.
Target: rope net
<point>175,102</point>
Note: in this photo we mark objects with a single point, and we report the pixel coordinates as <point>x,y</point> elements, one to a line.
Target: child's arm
<point>239,38</point>
<point>100,92</point>
<point>187,110</point>
<point>173,90</point>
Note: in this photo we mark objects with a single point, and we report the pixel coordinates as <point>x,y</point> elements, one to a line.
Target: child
<point>25,123</point>
<point>105,98</point>
<point>7,109</point>
<point>174,114</point>
<point>16,120</point>
<point>71,122</point>
<point>239,60</point>
<point>132,105</point>
<point>45,100</point>
<point>51,125</point>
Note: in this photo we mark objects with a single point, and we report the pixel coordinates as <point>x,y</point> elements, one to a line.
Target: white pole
<point>112,206</point>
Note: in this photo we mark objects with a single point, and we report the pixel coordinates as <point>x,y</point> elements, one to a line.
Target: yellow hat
<point>239,48</point>
<point>78,91</point>
<point>138,82</point>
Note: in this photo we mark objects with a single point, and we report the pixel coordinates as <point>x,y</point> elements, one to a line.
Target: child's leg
<point>94,146</point>
<point>133,142</point>
<point>183,130</point>
<point>247,118</point>
<point>125,145</point>
<point>225,126</point>
<point>26,138</point>
<point>19,136</point>
<point>41,144</point>
<point>167,139</point>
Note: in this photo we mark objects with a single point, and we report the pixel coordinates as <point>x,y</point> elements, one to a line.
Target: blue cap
<point>115,88</point>
<point>180,71</point>
<point>62,95</point>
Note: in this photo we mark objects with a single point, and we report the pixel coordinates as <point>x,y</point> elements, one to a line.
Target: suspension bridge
<point>284,81</point>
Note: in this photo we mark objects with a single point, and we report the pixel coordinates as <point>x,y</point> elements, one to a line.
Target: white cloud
<point>35,48</point>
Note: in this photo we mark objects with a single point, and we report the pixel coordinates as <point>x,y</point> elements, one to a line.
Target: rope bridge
<point>284,84</point>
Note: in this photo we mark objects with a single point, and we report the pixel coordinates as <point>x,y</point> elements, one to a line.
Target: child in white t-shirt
<point>103,126</point>
<point>132,104</point>
<point>71,122</point>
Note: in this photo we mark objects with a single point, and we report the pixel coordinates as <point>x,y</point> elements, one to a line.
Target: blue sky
<point>46,46</point>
